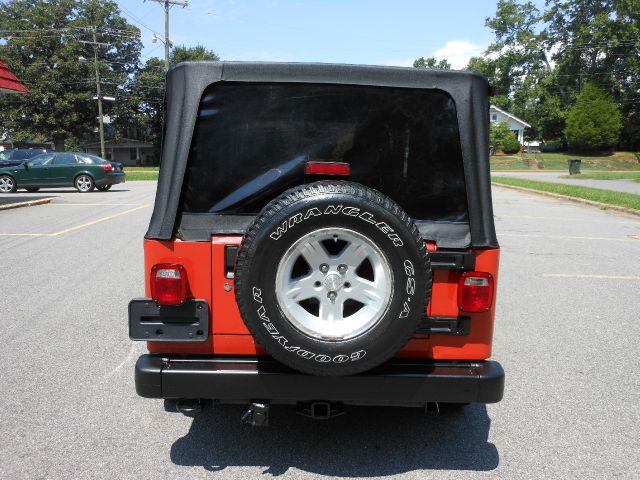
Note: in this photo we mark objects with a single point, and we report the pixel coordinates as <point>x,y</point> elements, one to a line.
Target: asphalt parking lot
<point>567,329</point>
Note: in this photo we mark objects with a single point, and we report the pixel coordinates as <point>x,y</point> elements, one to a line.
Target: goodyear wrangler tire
<point>332,278</point>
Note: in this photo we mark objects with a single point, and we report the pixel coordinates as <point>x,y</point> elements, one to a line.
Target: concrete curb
<point>28,203</point>
<point>600,205</point>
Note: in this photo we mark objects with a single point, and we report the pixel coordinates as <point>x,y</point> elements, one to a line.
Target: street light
<point>167,45</point>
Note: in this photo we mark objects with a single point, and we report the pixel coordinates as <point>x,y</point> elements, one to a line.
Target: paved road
<point>567,334</point>
<point>622,185</point>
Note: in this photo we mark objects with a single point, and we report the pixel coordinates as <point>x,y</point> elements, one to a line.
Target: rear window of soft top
<point>252,140</point>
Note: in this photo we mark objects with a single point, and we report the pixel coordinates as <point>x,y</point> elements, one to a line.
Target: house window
<point>132,154</point>
<point>494,117</point>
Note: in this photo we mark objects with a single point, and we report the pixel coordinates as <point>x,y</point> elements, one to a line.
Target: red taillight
<point>475,292</point>
<point>107,167</point>
<point>327,168</point>
<point>169,284</point>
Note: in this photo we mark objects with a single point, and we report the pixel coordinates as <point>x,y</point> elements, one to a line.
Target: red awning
<point>8,81</point>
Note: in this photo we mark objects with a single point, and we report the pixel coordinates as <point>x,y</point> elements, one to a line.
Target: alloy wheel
<point>334,284</point>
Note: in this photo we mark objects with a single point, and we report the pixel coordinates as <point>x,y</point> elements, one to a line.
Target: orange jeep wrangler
<point>322,236</point>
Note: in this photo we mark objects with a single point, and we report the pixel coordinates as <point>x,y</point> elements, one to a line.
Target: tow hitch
<point>257,415</point>
<point>320,410</point>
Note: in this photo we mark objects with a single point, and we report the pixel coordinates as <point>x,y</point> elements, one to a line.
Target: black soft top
<point>187,82</point>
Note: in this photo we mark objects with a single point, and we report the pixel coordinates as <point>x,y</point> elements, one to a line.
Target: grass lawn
<point>635,176</point>
<point>609,197</point>
<point>141,169</point>
<point>558,161</point>
<point>141,175</point>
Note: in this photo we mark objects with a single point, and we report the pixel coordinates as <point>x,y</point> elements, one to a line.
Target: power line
<point>136,19</point>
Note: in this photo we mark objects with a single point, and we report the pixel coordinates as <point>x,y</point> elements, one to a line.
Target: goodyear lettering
<point>284,342</point>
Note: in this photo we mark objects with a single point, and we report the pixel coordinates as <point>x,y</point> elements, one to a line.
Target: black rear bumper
<point>112,179</point>
<point>243,379</point>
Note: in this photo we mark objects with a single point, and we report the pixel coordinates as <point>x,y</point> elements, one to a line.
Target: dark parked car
<point>81,170</point>
<point>10,158</point>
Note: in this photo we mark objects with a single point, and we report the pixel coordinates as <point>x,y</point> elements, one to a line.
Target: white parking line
<point>72,229</point>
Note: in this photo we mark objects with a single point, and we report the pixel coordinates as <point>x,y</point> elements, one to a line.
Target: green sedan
<point>81,170</point>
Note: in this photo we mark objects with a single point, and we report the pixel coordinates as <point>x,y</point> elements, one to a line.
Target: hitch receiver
<point>320,410</point>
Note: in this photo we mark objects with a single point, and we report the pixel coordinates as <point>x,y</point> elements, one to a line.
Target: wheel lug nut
<point>332,296</point>
<point>324,268</point>
<point>342,268</point>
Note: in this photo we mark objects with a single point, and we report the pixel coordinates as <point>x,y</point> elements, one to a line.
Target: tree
<point>599,41</point>
<point>43,42</point>
<point>182,53</point>
<point>143,109</point>
<point>502,138</point>
<point>432,62</point>
<point>595,121</point>
<point>541,60</point>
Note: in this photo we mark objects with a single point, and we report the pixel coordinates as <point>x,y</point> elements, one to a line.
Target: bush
<point>499,137</point>
<point>594,122</point>
<point>511,145</point>
<point>552,146</point>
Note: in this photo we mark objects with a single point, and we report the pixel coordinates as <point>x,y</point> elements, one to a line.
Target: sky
<point>374,32</point>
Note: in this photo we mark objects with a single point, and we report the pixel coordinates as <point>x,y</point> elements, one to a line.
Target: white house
<point>128,151</point>
<point>515,124</point>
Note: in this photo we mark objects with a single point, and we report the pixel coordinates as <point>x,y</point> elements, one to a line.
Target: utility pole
<point>167,42</point>
<point>100,119</point>
<point>96,44</point>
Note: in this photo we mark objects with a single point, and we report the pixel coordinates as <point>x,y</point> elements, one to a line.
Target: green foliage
<point>594,122</point>
<point>182,53</point>
<point>72,144</point>
<point>144,108</point>
<point>42,42</point>
<point>511,145</point>
<point>540,60</point>
<point>552,146</point>
<point>502,138</point>
<point>432,62</point>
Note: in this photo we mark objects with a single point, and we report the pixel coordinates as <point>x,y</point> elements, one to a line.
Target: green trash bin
<point>574,166</point>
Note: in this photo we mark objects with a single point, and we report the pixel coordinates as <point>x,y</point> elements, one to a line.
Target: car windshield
<point>43,159</point>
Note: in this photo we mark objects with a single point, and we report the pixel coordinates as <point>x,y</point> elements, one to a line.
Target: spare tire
<point>332,278</point>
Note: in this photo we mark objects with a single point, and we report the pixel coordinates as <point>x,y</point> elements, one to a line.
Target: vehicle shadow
<point>366,442</point>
